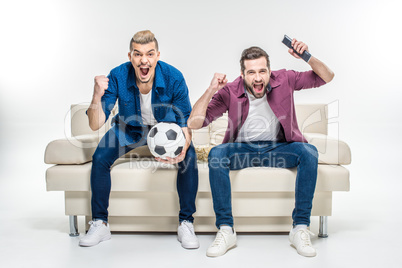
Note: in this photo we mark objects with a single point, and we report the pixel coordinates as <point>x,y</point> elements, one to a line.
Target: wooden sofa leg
<point>323,233</point>
<point>73,226</point>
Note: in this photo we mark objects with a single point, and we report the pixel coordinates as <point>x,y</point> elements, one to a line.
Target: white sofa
<point>144,196</point>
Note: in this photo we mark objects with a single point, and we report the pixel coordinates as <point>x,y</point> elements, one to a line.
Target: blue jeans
<point>106,154</point>
<point>235,156</point>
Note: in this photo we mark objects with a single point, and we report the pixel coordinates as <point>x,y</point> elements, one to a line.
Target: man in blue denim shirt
<point>148,91</point>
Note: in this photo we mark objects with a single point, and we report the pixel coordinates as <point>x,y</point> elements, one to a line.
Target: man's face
<point>144,59</point>
<point>256,76</point>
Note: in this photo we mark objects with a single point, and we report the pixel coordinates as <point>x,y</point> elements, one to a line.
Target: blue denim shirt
<point>170,101</point>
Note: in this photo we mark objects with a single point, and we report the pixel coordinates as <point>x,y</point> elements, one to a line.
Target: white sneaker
<point>186,235</point>
<point>97,233</point>
<point>224,241</point>
<point>301,241</point>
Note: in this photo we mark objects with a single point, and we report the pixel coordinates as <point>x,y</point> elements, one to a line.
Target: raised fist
<point>101,84</point>
<point>218,82</point>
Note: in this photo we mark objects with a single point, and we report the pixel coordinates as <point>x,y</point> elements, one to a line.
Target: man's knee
<point>309,152</point>
<point>218,156</point>
<point>97,158</point>
<point>102,157</point>
<point>214,153</point>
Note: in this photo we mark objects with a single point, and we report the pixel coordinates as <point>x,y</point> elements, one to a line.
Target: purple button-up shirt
<point>233,98</point>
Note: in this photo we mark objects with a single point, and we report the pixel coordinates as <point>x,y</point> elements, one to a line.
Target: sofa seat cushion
<point>149,175</point>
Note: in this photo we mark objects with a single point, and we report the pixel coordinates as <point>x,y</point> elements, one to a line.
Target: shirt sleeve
<point>304,80</point>
<point>217,106</point>
<point>181,104</point>
<point>109,98</point>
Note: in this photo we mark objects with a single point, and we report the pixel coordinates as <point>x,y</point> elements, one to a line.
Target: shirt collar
<point>159,82</point>
<point>274,81</point>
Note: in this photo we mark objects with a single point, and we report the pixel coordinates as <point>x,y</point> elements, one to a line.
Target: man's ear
<point>129,56</point>
<point>241,74</point>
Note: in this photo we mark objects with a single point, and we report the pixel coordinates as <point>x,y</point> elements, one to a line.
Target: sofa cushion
<point>150,175</point>
<point>218,129</point>
<point>142,151</point>
<point>330,150</point>
<point>201,136</point>
<point>75,150</point>
<point>79,150</point>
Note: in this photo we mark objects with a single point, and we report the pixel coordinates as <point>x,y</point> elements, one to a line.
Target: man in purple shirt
<point>262,131</point>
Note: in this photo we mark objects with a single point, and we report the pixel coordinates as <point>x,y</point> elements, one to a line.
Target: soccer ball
<point>166,140</point>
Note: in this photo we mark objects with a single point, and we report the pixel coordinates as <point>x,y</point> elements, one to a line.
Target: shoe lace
<point>189,227</point>
<point>305,237</point>
<point>220,239</point>
<point>92,228</point>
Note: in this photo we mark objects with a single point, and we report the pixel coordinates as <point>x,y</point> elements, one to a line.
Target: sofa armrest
<point>74,150</point>
<point>331,151</point>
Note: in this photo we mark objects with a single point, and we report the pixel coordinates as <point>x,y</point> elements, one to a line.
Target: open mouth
<point>258,88</point>
<point>144,71</point>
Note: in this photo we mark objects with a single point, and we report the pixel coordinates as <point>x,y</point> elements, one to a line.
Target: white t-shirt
<point>261,123</point>
<point>146,109</point>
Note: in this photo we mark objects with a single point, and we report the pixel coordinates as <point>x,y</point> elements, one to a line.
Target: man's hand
<point>101,84</point>
<point>198,113</point>
<point>182,155</point>
<point>172,161</point>
<point>218,82</point>
<point>299,47</point>
<point>318,67</point>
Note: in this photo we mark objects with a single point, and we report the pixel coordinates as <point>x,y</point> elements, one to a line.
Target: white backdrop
<point>50,52</point>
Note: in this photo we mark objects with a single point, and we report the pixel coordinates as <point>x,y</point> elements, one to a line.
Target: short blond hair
<point>144,37</point>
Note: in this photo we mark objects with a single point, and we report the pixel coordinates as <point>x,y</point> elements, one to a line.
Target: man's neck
<point>144,87</point>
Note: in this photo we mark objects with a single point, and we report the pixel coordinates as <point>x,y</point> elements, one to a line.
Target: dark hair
<point>253,53</point>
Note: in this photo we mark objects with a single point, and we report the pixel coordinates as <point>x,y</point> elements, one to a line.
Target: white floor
<point>34,229</point>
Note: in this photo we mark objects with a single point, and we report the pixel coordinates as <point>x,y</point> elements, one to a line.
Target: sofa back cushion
<point>311,118</point>
<point>80,122</point>
<point>201,137</point>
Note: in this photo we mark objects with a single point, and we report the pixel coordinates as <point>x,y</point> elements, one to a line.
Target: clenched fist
<point>101,84</point>
<point>218,82</point>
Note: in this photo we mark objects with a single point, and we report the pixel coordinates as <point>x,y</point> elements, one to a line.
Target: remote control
<point>288,42</point>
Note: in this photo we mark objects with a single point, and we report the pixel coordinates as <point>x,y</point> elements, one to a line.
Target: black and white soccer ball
<point>166,140</point>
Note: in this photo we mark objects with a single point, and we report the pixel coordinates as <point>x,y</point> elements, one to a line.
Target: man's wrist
<point>312,61</point>
<point>96,99</point>
<point>211,91</point>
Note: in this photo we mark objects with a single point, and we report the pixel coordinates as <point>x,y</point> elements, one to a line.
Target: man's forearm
<point>96,114</point>
<point>188,136</point>
<point>197,116</point>
<point>321,69</point>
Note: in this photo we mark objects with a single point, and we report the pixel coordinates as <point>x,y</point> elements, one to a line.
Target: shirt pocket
<point>126,108</point>
<point>164,112</point>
